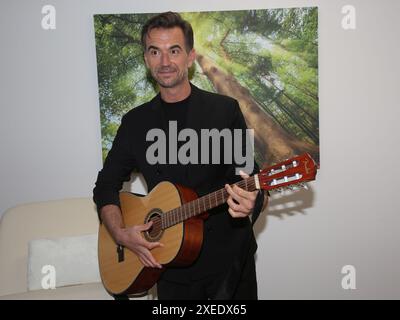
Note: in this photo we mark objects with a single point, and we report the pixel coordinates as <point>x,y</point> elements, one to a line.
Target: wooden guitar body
<point>121,270</point>
<point>177,214</point>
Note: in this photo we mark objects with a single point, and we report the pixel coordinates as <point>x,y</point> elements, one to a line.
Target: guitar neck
<point>204,203</point>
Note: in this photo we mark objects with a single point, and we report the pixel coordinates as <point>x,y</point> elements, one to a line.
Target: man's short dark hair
<point>168,20</point>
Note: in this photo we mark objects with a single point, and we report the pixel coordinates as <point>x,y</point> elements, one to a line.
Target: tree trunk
<point>271,141</point>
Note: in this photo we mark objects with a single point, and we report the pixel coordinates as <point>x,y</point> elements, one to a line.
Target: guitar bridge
<point>120,252</point>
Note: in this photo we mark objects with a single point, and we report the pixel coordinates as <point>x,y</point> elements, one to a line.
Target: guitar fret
<point>184,211</point>
<point>202,204</point>
<point>168,220</point>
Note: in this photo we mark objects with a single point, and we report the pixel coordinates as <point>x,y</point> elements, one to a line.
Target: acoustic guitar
<point>177,214</point>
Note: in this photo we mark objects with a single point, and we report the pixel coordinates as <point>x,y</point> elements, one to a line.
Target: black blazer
<point>225,238</point>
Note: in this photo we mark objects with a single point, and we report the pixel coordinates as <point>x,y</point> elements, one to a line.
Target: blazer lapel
<point>195,115</point>
<point>158,113</point>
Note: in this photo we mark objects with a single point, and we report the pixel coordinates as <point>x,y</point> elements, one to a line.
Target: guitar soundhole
<point>155,232</point>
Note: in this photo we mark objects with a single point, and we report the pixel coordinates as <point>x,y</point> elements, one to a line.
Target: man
<point>225,268</point>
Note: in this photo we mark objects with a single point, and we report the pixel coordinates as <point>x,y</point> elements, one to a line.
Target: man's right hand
<point>130,237</point>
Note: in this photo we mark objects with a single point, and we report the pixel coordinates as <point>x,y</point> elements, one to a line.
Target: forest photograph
<point>266,59</point>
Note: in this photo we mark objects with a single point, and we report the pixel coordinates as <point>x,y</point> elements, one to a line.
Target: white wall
<point>50,138</point>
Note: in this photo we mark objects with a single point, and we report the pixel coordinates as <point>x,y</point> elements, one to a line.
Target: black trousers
<point>207,288</point>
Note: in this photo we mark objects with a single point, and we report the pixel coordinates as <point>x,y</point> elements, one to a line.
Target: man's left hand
<point>241,202</point>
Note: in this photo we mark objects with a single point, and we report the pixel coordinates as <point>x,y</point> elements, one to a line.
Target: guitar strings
<point>185,211</point>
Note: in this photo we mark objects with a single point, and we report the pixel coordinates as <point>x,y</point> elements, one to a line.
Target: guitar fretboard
<point>202,204</point>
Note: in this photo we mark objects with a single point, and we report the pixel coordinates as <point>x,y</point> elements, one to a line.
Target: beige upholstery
<point>52,219</point>
<point>90,291</point>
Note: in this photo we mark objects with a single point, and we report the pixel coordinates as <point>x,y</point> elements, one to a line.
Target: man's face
<point>166,56</point>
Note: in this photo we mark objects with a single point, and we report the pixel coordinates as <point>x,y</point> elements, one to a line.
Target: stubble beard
<point>172,82</point>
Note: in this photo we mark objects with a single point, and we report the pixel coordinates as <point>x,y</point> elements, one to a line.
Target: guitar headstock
<point>293,171</point>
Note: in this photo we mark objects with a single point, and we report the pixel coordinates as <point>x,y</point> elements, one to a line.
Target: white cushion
<point>72,260</point>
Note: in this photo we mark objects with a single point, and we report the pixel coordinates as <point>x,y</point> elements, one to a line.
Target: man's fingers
<point>147,246</point>
<point>152,245</point>
<point>231,192</point>
<point>144,227</point>
<point>238,207</point>
<point>236,214</point>
<point>249,195</point>
<point>144,261</point>
<point>153,261</point>
<point>246,204</point>
<point>243,174</point>
<point>148,260</point>
<point>237,193</point>
<point>232,205</point>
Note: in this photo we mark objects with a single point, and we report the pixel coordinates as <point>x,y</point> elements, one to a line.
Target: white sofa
<point>26,224</point>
